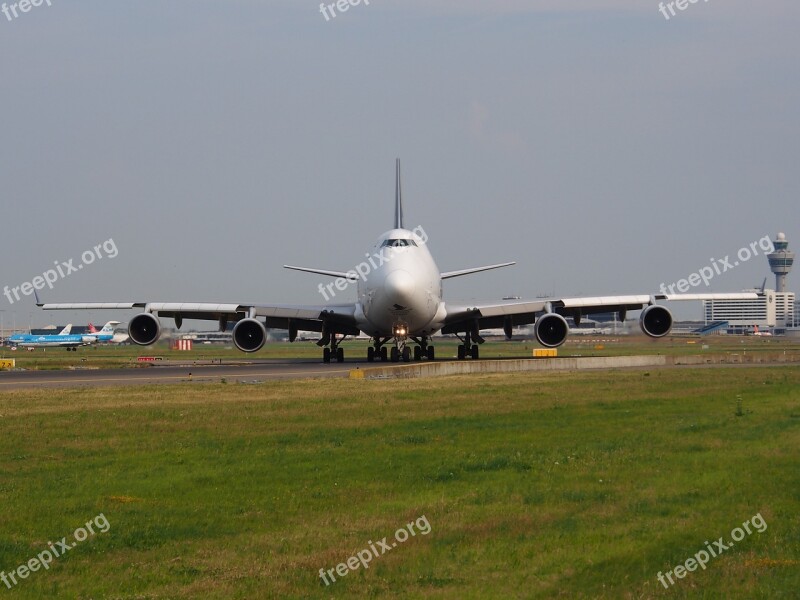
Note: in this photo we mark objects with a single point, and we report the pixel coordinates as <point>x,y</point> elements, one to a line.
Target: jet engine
<point>551,330</point>
<point>655,321</point>
<point>144,329</point>
<point>249,335</point>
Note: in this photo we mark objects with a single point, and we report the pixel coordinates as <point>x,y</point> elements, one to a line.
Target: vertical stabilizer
<point>398,201</point>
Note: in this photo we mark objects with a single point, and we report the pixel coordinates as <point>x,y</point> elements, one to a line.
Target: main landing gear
<point>334,352</point>
<point>401,350</point>
<point>329,353</point>
<point>378,350</point>
<point>467,348</point>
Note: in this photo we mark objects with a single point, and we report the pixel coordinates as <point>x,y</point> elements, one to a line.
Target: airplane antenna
<point>398,201</point>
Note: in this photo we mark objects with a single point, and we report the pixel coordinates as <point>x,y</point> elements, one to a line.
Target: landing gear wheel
<point>406,354</point>
<point>417,353</point>
<point>326,355</point>
<point>384,354</point>
<point>395,354</point>
<point>431,354</point>
<point>462,352</point>
<point>475,352</point>
<point>370,354</point>
<point>340,355</point>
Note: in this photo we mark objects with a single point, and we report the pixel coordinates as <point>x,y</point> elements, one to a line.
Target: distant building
<point>770,311</point>
<point>775,310</point>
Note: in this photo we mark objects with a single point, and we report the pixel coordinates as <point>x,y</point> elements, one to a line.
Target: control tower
<point>780,261</point>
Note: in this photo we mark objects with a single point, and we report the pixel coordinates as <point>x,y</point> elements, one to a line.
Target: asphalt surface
<point>256,371</point>
<point>163,374</point>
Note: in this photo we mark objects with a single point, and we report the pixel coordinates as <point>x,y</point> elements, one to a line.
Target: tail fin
<point>109,327</point>
<point>398,201</point>
<point>66,330</point>
<point>92,328</point>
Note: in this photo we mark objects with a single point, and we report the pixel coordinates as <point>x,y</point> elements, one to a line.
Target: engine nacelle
<point>655,321</point>
<point>551,330</point>
<point>249,335</point>
<point>144,329</point>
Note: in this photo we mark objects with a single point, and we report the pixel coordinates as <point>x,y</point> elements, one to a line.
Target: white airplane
<point>399,302</point>
<point>104,336</point>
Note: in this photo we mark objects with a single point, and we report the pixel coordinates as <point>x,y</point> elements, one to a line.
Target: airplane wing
<point>507,315</point>
<point>333,317</point>
<point>493,316</point>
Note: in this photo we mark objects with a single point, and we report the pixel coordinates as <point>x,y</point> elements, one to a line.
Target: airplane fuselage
<point>402,295</point>
<point>36,341</point>
<point>58,341</point>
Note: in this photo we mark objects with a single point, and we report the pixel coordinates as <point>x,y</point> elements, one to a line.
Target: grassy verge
<point>534,485</point>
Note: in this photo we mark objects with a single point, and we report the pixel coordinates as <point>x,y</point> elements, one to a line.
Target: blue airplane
<point>64,339</point>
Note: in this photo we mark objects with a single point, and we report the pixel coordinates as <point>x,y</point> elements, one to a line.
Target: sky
<point>603,147</point>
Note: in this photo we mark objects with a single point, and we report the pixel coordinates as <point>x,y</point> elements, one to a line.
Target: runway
<point>238,372</point>
<point>260,371</point>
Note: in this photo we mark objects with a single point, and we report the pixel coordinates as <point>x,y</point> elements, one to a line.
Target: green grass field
<point>573,485</point>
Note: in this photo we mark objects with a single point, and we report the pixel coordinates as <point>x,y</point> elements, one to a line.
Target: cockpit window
<point>398,243</point>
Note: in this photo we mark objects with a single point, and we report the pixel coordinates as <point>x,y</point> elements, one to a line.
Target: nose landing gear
<point>401,350</point>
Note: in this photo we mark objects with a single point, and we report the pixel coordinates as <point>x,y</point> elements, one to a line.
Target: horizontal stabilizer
<point>450,274</point>
<point>352,275</point>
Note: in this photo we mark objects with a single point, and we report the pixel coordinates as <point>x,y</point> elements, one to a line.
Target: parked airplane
<point>106,334</point>
<point>399,302</point>
<point>758,333</point>
<point>63,339</point>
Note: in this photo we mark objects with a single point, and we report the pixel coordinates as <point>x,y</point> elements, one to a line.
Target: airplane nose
<point>399,287</point>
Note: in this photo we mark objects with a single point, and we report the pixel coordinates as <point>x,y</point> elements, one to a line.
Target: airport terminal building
<point>771,311</point>
<point>774,311</point>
